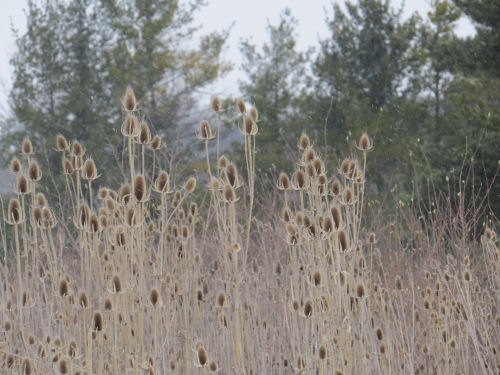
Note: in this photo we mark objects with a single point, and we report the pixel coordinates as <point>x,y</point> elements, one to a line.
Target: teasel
<point>37,216</point>
<point>299,180</point>
<point>215,105</point>
<point>241,107</point>
<point>205,131</point>
<point>154,298</point>
<point>222,162</point>
<point>27,147</point>
<point>365,144</point>
<point>348,197</point>
<point>67,166</point>
<point>144,135</point>
<point>201,357</point>
<point>77,162</point>
<point>48,219</point>
<point>89,170</point>
<point>119,236</point>
<point>63,288</point>
<point>283,181</point>
<point>15,165</point>
<point>77,149</point>
<point>130,127</point>
<point>94,224</point>
<point>304,142</point>
<point>98,322</point>
<point>249,127</point>
<point>308,155</point>
<point>230,174</point>
<point>41,201</point>
<point>82,216</point>
<point>124,194</point>
<point>190,185</point>
<point>61,143</point>
<point>343,241</point>
<point>22,186</point>
<point>229,194</point>
<point>344,167</point>
<point>15,214</point>
<point>140,190</point>
<point>162,183</point>
<point>83,300</point>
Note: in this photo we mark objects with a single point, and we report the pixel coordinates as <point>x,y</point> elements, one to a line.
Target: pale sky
<point>250,20</point>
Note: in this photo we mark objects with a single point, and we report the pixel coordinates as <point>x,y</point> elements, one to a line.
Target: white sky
<point>250,20</point>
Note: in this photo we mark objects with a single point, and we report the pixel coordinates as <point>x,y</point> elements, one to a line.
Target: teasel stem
<point>19,276</point>
<point>131,160</point>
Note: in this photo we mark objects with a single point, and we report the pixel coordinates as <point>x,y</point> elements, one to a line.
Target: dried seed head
<point>299,180</point>
<point>144,136</point>
<point>102,193</point>
<point>372,239</point>
<point>221,299</point>
<point>27,147</point>
<point>202,356</point>
<point>61,143</point>
<point>316,278</point>
<point>130,127</point>
<point>231,175</point>
<point>83,300</point>
<point>360,290</point>
<point>190,185</point>
<point>212,366</point>
<point>162,184</point>
<point>94,224</point>
<point>22,185</point>
<point>83,216</point>
<point>343,241</point>
<point>254,114</point>
<point>89,171</point>
<point>205,131</point>
<point>301,363</point>
<point>108,304</point>
<point>336,216</point>
<point>249,126</point>
<point>216,104</point>
<point>28,368</point>
<point>222,162</point>
<point>304,142</point>
<point>15,165</point>
<point>116,286</point>
<point>14,212</point>
<point>63,288</point>
<point>365,143</point>
<point>77,149</point>
<point>156,143</point>
<point>154,297</point>
<point>308,309</point>
<point>336,188</point>
<point>283,181</point>
<point>241,106</point>
<point>399,285</point>
<point>124,194</point>
<point>129,102</point>
<point>98,322</point>
<point>140,191</point>
<point>67,166</point>
<point>322,352</point>
<point>229,195</point>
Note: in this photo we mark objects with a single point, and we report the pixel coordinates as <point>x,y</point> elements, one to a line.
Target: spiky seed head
<point>212,366</point>
<point>336,188</point>
<point>310,170</point>
<point>124,194</point>
<point>144,135</point>
<point>130,127</point>
<point>343,240</point>
<point>83,300</point>
<point>202,356</point>
<point>15,165</point>
<point>190,185</point>
<point>193,208</point>
<point>344,167</point>
<point>308,309</point>
<point>102,193</point>
<point>28,368</point>
<point>116,285</point>
<point>299,179</point>
<point>140,191</point>
<point>22,185</point>
<point>155,143</point>
<point>399,285</point>
<point>222,162</point>
<point>215,105</point>
<point>63,288</point>
<point>67,166</point>
<point>162,184</point>
<point>205,131</point>
<point>301,363</point>
<point>221,299</point>
<point>372,238</point>
<point>83,215</point>
<point>304,142</point>
<point>318,166</point>
<point>283,181</point>
<point>98,321</point>
<point>61,143</point>
<point>379,333</point>
<point>27,147</point>
<point>229,195</point>
<point>77,149</point>
<point>360,290</point>
<point>37,216</point>
<point>365,143</point>
<point>241,107</point>
<point>94,224</point>
<point>348,197</point>
<point>89,171</point>
<point>129,102</point>
<point>249,127</point>
<point>467,275</point>
<point>108,304</point>
<point>14,212</point>
<point>316,278</point>
<point>382,348</point>
<point>154,297</point>
<point>322,352</point>
<point>231,175</point>
<point>254,114</point>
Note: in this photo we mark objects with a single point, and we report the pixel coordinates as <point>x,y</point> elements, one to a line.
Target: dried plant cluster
<point>154,284</point>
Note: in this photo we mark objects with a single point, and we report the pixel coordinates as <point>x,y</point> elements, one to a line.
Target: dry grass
<point>146,282</point>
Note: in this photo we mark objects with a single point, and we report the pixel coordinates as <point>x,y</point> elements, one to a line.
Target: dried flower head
<point>140,191</point>
<point>89,170</point>
<point>365,144</point>
<point>27,147</point>
<point>254,114</point>
<point>15,165</point>
<point>155,143</point>
<point>144,135</point>
<point>304,142</point>
<point>190,185</point>
<point>215,104</point>
<point>129,102</point>
<point>130,127</point>
<point>205,131</point>
<point>14,213</point>
<point>241,107</point>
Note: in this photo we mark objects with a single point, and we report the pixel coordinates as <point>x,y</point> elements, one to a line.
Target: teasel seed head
<point>308,309</point>
<point>399,285</point>
<point>67,166</point>
<point>212,366</point>
<point>83,216</point>
<point>365,144</point>
<point>360,290</point>
<point>63,288</point>
<point>89,170</point>
<point>221,299</point>
<point>190,185</point>
<point>202,356</point>
<point>61,143</point>
<point>77,149</point>
<point>348,197</point>
<point>27,147</point>
<point>205,131</point>
<point>129,102</point>
<point>83,300</point>
<point>304,142</point>
<point>283,181</point>
<point>94,224</point>
<point>336,188</point>
<point>108,304</point>
<point>155,143</point>
<point>343,241</point>
<point>301,363</point>
<point>231,175</point>
<point>140,190</point>
<point>372,238</point>
<point>241,107</point>
<point>308,155</point>
<point>15,165</point>
<point>299,179</point>
<point>98,322</point>
<point>250,127</point>
<point>14,213</point>
<point>154,298</point>
<point>28,368</point>
<point>162,184</point>
<point>130,126</point>
<point>215,105</point>
<point>254,114</point>
<point>22,186</point>
<point>229,194</point>
<point>322,352</point>
<point>124,194</point>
